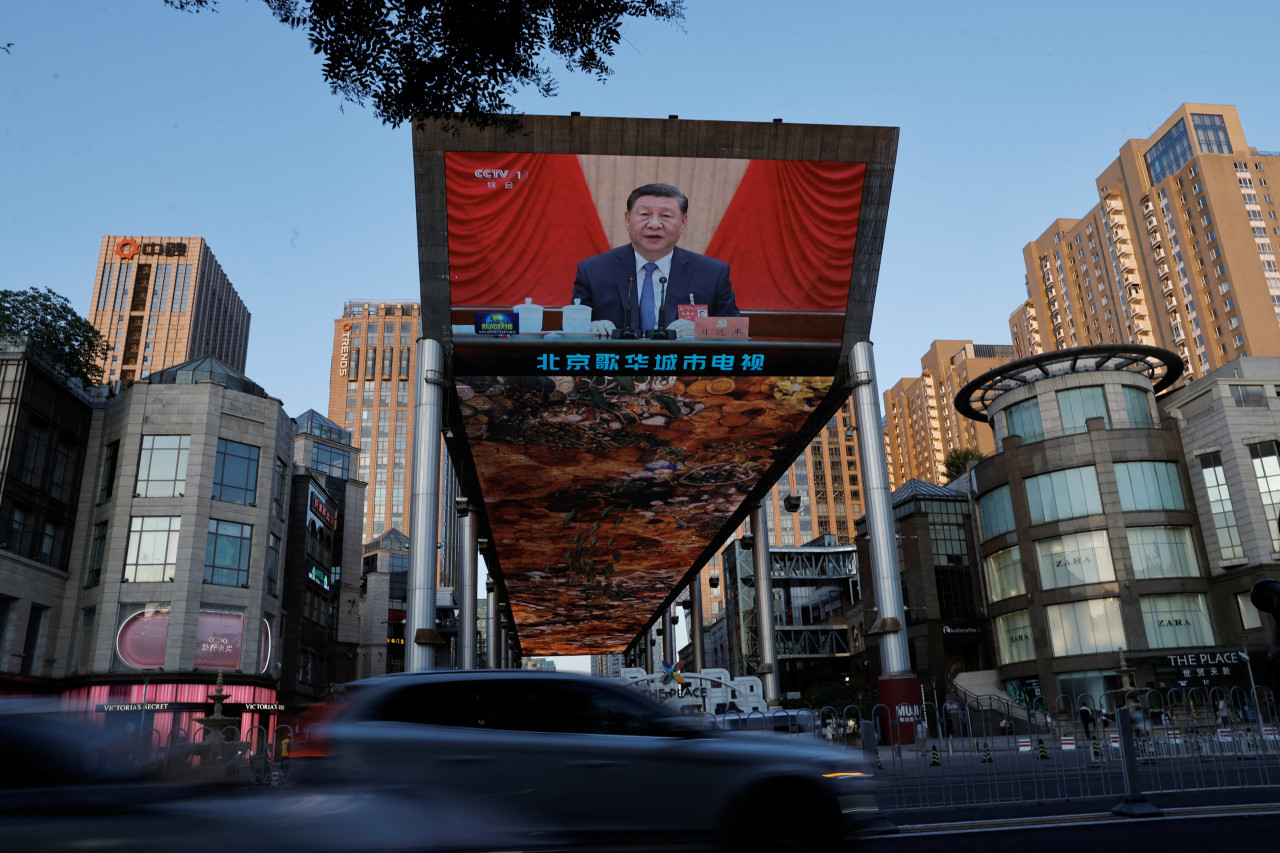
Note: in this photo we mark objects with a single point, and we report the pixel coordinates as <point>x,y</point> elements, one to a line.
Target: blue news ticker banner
<point>683,363</point>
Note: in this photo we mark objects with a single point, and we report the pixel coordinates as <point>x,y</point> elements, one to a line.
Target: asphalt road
<point>1239,828</point>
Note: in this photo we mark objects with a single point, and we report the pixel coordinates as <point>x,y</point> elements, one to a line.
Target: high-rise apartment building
<point>162,301</point>
<point>1177,253</point>
<point>921,426</point>
<point>372,394</point>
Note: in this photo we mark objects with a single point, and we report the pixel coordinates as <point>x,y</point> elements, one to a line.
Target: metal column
<point>695,621</point>
<point>768,670</point>
<point>668,638</point>
<point>894,657</point>
<point>424,508</point>
<point>467,583</point>
<point>898,688</point>
<point>491,626</point>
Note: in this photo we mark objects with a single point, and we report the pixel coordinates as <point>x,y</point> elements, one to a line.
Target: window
<point>1137,404</point>
<point>1179,620</point>
<point>1004,574</point>
<point>36,439</point>
<point>1169,153</point>
<point>273,562</point>
<point>235,473</point>
<point>995,512</point>
<point>31,645</point>
<point>1013,637</point>
<point>1248,396</point>
<point>97,549</point>
<point>1162,552</point>
<point>331,460</point>
<point>1149,486</point>
<point>1211,133</point>
<point>402,394</point>
<point>1266,468</point>
<point>226,553</point>
<point>152,552</point>
<point>17,532</point>
<point>1249,616</point>
<point>1085,627</point>
<point>162,466</point>
<point>1077,405</point>
<point>1070,493</point>
<point>1075,559</point>
<point>1024,419</point>
<point>1224,516</point>
<point>84,658</point>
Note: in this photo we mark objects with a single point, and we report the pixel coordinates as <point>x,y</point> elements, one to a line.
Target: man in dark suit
<point>652,275</point>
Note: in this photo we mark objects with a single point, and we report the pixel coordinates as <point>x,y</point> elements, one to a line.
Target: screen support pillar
<point>898,686</point>
<point>768,670</point>
<point>424,509</point>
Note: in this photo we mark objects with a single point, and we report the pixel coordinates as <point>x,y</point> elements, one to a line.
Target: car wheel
<point>783,818</point>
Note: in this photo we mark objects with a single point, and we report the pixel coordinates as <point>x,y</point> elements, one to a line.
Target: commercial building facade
<point>1229,422</point>
<point>162,301</point>
<point>946,630</point>
<point>1178,252</point>
<point>1091,538</point>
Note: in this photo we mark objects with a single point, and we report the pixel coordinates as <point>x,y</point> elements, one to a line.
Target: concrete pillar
<point>768,670</point>
<point>424,509</point>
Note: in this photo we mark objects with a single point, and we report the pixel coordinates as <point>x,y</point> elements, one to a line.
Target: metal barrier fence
<point>994,752</point>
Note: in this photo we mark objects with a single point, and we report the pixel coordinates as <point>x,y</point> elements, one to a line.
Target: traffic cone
<point>986,754</point>
<point>934,760</point>
<point>1044,752</point>
<point>879,766</point>
<point>1097,751</point>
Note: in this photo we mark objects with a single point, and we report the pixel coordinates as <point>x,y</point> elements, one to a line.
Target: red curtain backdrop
<point>525,241</point>
<point>789,232</point>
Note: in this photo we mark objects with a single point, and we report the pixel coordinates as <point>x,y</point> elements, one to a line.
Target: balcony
<point>1152,224</point>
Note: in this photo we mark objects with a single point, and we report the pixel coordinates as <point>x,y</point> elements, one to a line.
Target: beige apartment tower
<point>921,426</point>
<point>1178,252</point>
<point>163,301</point>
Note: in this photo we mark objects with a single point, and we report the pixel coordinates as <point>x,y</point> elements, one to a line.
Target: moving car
<point>590,757</point>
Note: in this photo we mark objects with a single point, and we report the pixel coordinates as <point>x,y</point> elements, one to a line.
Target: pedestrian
<point>1086,720</point>
<point>1048,721</point>
<point>1224,714</point>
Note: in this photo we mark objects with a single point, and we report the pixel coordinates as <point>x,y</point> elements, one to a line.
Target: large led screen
<point>601,492</point>
<point>613,451</point>
<point>525,226</point>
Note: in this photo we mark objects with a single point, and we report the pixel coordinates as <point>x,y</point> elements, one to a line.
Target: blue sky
<point>130,117</point>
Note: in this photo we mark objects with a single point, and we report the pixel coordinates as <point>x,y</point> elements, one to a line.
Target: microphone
<point>628,332</point>
<point>662,333</point>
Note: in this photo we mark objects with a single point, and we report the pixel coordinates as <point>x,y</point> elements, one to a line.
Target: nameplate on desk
<point>734,328</point>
